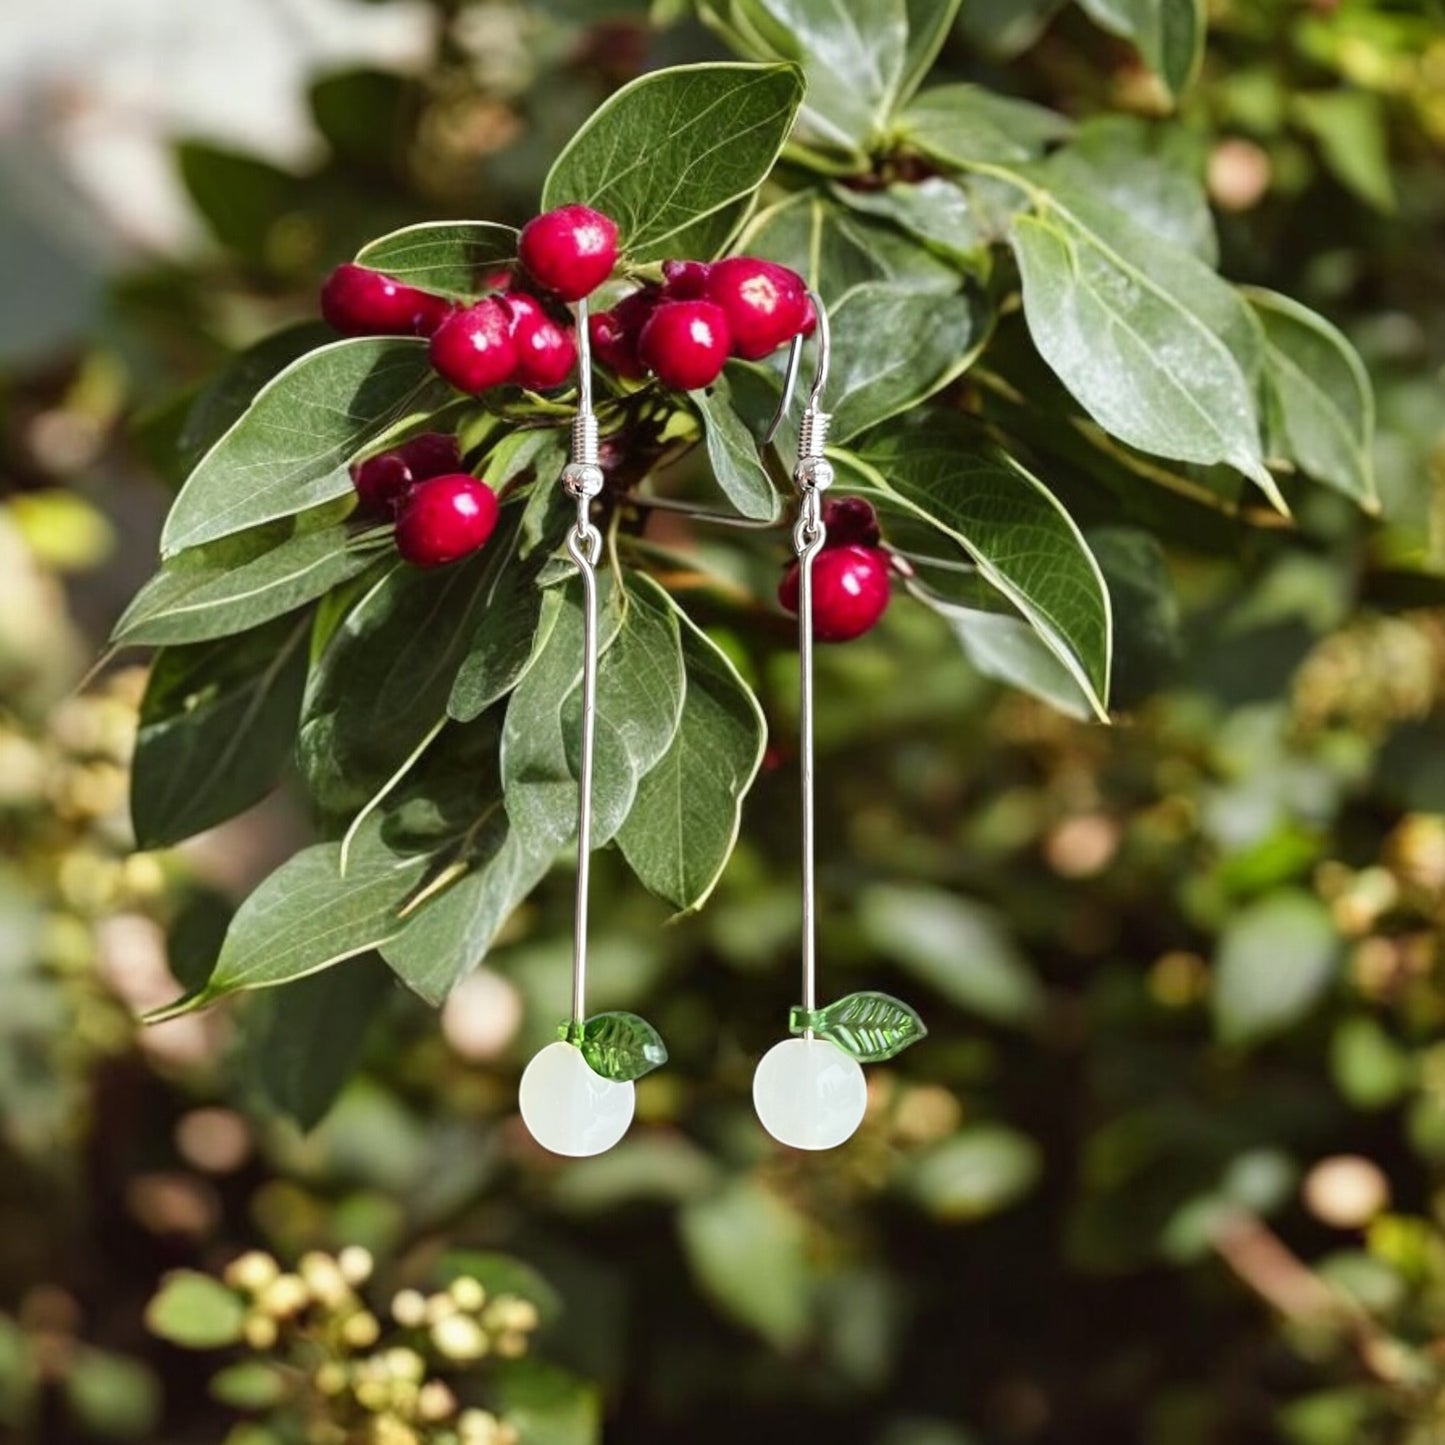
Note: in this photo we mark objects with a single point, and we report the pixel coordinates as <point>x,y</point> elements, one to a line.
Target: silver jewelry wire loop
<point>795,356</point>
<point>582,479</point>
<point>812,474</point>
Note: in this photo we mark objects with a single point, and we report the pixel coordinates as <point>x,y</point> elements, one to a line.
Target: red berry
<point>685,280</point>
<point>546,352</point>
<point>473,349</point>
<point>383,480</point>
<point>850,591</point>
<point>445,519</point>
<point>765,304</point>
<point>809,323</point>
<point>571,251</point>
<point>430,454</point>
<point>360,302</point>
<point>850,521</point>
<point>685,343</point>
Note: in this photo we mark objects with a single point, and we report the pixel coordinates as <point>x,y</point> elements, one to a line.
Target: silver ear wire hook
<point>790,376</point>
<point>582,479</point>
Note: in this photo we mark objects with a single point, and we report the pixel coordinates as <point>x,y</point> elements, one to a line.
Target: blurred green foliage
<point>1169,1167</point>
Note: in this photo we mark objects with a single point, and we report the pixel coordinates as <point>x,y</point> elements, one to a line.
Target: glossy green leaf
<point>1168,34</point>
<point>835,250</point>
<point>216,728</point>
<point>291,447</point>
<point>748,1250</point>
<point>854,57</point>
<point>388,674</point>
<point>1274,960</point>
<point>936,466</point>
<point>871,382</point>
<point>640,686</point>
<point>870,1026</point>
<point>937,212</point>
<point>929,24</point>
<point>240,582</point>
<point>1160,352</point>
<point>1320,406</point>
<point>311,1033</point>
<point>308,914</point>
<point>1153,171</point>
<point>977,1172</point>
<point>195,1311</point>
<point>732,451</point>
<point>452,258</point>
<point>676,146</point>
<point>618,1046</point>
<point>961,124</point>
<point>955,945</point>
<point>685,818</point>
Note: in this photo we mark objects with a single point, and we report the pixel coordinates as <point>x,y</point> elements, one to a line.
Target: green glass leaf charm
<point>870,1026</point>
<point>619,1046</point>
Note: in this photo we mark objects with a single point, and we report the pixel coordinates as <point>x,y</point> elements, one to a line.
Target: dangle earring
<point>809,1091</point>
<point>577,1095</point>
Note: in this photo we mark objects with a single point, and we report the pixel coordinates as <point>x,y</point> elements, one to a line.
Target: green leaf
<point>249,1385</point>
<point>1168,34</point>
<point>307,915</point>
<point>674,147</point>
<point>870,1026</point>
<point>111,1396</point>
<point>955,945</point>
<point>937,212</point>
<point>748,1250</point>
<point>240,582</point>
<point>311,1035</point>
<point>961,124</point>
<point>929,25</point>
<point>242,199</point>
<point>1351,128</point>
<point>216,728</point>
<point>640,684</point>
<point>869,382</point>
<point>1159,351</point>
<point>733,451</point>
<point>546,1405</point>
<point>619,1046</point>
<point>226,396</point>
<point>1320,406</point>
<point>684,820</point>
<point>977,1172</point>
<point>388,674</point>
<point>835,250</point>
<point>291,448</point>
<point>451,258</point>
<point>1274,960</point>
<point>1002,29</point>
<point>1151,171</point>
<point>195,1311</point>
<point>853,57</point>
<point>1025,544</point>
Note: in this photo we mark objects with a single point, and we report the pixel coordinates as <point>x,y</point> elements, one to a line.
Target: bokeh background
<point>1170,1166</point>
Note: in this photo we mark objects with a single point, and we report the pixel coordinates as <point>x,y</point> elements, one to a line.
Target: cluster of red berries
<point>851,575</point>
<point>442,513</point>
<point>684,330</point>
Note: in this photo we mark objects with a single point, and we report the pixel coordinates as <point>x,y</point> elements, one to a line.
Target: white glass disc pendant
<point>569,1108</point>
<point>809,1094</point>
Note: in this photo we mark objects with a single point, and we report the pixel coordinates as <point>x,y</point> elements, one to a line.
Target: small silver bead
<point>582,479</point>
<point>814,474</point>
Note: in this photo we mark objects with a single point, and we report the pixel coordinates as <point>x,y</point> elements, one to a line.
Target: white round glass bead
<point>809,1094</point>
<point>570,1109</point>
